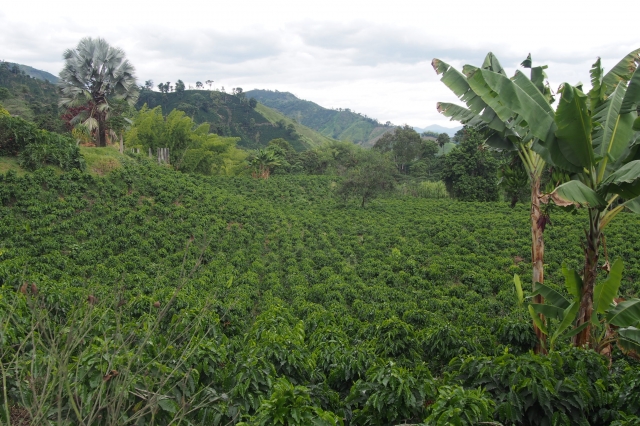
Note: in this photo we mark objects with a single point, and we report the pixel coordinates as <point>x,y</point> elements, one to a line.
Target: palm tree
<point>263,162</point>
<point>96,74</point>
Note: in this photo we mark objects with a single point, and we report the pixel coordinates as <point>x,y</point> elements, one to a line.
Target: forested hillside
<point>341,124</point>
<point>232,115</point>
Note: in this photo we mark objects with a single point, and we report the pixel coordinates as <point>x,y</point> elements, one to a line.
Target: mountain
<point>35,73</point>
<point>438,129</point>
<point>232,115</point>
<point>342,124</point>
<point>32,98</point>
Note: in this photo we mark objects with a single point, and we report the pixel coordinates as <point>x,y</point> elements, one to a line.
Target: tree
<point>148,85</point>
<point>404,143</point>
<point>180,87</point>
<point>199,85</point>
<point>505,129</point>
<point>209,82</point>
<point>253,103</point>
<point>96,73</point>
<point>595,136</point>
<point>372,174</point>
<point>470,172</point>
<point>442,139</point>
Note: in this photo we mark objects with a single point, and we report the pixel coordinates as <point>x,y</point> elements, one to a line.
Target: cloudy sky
<point>371,56</point>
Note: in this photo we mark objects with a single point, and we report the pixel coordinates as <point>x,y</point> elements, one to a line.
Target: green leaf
<point>498,142</point>
<point>568,316</point>
<point>577,330</point>
<point>622,71</point>
<point>625,181</point>
<point>577,192</point>
<point>636,124</point>
<point>491,63</point>
<point>632,96</point>
<point>572,282</point>
<point>613,132</point>
<point>458,113</point>
<point>507,99</point>
<point>548,311</point>
<point>574,127</point>
<point>629,339</point>
<point>605,292</point>
<point>168,405</point>
<point>537,321</point>
<point>596,94</point>
<point>530,89</point>
<point>527,63</point>
<point>633,205</point>
<point>519,292</point>
<point>626,314</point>
<point>551,296</point>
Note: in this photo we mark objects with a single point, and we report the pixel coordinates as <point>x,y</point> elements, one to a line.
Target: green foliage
<point>337,124</point>
<point>470,172</point>
<point>35,147</point>
<point>458,406</point>
<point>371,175</point>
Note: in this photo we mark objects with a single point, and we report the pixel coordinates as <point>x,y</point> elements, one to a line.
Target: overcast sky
<point>371,56</point>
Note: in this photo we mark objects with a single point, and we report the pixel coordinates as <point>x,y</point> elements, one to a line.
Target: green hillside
<point>36,73</point>
<point>226,297</point>
<point>336,124</point>
<point>30,98</point>
<point>231,115</point>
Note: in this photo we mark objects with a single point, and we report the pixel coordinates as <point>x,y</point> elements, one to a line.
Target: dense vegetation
<point>341,124</point>
<point>225,299</point>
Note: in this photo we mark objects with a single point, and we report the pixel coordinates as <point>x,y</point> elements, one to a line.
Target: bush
<point>458,406</point>
<point>36,147</point>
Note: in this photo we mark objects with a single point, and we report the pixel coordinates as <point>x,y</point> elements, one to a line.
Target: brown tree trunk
<point>101,132</point>
<point>590,273</point>
<point>121,144</point>
<point>538,223</point>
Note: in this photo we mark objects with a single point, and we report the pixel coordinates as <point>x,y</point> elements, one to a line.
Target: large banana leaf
<point>551,296</point>
<point>458,84</point>
<point>606,291</point>
<point>596,94</point>
<point>568,316</point>
<point>491,63</point>
<point>530,89</point>
<point>537,321</point>
<point>548,311</point>
<point>507,99</point>
<point>576,192</point>
<point>458,113</point>
<point>625,314</point>
<point>495,140</point>
<point>574,127</point>
<point>629,339</point>
<point>622,71</point>
<point>633,205</point>
<point>613,131</point>
<point>572,282</point>
<point>632,97</point>
<point>625,181</point>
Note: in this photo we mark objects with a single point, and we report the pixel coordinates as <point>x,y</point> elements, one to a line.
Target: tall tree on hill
<point>404,143</point>
<point>96,74</point>
<point>442,139</point>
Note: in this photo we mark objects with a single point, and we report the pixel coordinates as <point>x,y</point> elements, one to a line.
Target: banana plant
<point>596,137</point>
<point>618,321</point>
<point>506,129</point>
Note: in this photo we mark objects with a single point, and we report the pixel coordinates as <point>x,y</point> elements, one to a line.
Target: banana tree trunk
<point>590,273</point>
<point>102,141</point>
<point>538,222</point>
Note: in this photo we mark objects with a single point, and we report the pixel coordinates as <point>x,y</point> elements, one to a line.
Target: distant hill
<point>231,115</point>
<point>341,124</point>
<point>438,129</point>
<point>32,98</point>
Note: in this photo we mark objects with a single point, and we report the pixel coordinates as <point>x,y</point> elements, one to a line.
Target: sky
<point>371,56</point>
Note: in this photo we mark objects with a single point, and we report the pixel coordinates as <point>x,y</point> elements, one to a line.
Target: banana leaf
<point>622,71</point>
<point>574,127</point>
<point>625,314</point>
<point>629,339</point>
<point>576,192</point>
<point>606,291</point>
<point>612,132</point>
<point>568,316</point>
<point>552,297</point>
<point>572,281</point>
<point>625,181</point>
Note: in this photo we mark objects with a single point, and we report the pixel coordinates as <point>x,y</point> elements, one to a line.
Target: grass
<point>101,161</point>
<point>11,163</point>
